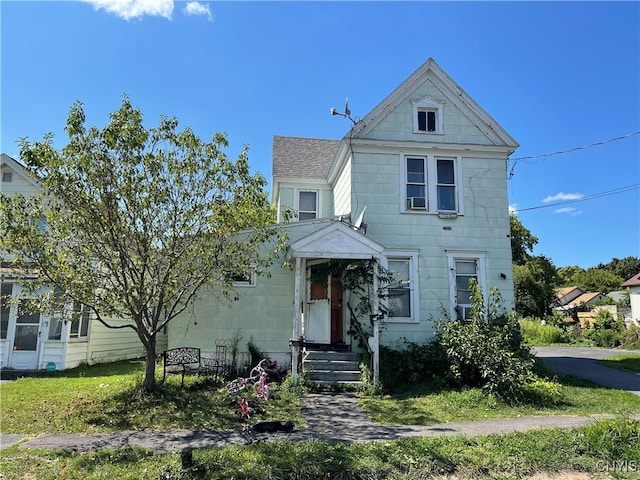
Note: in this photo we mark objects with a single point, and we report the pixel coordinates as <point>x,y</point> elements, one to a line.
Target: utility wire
<point>588,197</point>
<point>568,150</point>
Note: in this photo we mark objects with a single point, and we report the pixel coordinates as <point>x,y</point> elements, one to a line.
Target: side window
<point>446,185</point>
<point>400,292</point>
<point>79,327</point>
<point>403,294</point>
<point>432,185</point>
<point>242,280</point>
<point>416,184</point>
<point>463,268</point>
<point>307,205</point>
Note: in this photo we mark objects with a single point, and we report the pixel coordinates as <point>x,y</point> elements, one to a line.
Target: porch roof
<point>336,240</point>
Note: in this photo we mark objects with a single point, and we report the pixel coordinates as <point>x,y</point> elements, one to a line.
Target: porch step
<point>332,367</point>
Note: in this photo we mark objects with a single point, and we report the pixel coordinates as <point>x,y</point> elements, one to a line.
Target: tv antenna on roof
<point>346,114</point>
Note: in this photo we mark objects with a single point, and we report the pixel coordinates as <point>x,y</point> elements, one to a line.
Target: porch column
<point>376,323</point>
<point>296,321</point>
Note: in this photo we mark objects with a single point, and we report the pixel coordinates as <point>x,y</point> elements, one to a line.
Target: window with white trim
<point>307,204</point>
<point>244,280</point>
<point>7,177</point>
<point>403,294</point>
<point>428,116</point>
<point>463,268</point>
<point>79,327</point>
<point>432,184</point>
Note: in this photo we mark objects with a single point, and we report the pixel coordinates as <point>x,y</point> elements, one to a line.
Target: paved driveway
<point>583,362</point>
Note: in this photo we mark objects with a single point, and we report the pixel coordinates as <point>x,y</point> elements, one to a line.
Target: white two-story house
<point>419,184</point>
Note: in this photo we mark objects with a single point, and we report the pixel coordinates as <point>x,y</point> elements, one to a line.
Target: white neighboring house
<point>633,285</point>
<point>34,341</point>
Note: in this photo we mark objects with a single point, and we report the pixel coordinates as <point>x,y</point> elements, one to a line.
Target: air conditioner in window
<point>416,203</point>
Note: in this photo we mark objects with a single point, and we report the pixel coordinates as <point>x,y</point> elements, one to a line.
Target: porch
<point>322,318</point>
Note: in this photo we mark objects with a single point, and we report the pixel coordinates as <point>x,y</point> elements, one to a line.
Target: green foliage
<point>138,220</point>
<point>597,280</point>
<point>486,349</point>
<point>631,338</point>
<point>522,241</point>
<point>614,439</point>
<point>414,364</point>
<point>535,333</point>
<point>535,283</point>
<point>606,331</point>
<point>625,362</point>
<point>624,268</point>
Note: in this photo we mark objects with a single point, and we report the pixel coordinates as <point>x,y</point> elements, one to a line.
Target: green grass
<point>510,456</point>
<point>107,397</point>
<point>629,361</point>
<point>571,396</point>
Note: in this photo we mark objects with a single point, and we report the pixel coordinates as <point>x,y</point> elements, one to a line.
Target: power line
<point>568,150</point>
<point>608,193</point>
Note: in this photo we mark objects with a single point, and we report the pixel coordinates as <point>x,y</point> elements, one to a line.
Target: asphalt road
<point>583,362</point>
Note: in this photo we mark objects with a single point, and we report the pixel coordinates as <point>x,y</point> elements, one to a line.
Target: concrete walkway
<point>338,418</point>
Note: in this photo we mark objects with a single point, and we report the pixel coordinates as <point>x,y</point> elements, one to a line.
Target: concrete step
<point>332,367</point>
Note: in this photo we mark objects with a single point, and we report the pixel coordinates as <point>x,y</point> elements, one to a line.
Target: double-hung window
<point>79,327</point>
<point>307,204</point>
<point>403,292</point>
<point>464,267</point>
<point>432,184</point>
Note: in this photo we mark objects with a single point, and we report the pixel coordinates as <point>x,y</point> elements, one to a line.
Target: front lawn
<point>107,398</point>
<point>611,446</point>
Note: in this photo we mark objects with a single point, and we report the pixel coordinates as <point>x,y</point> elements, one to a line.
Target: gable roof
<point>430,70</point>
<point>633,281</point>
<point>336,240</point>
<point>299,157</point>
<point>585,298</point>
<point>18,168</point>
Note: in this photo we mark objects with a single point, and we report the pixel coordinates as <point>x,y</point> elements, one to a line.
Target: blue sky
<point>555,75</point>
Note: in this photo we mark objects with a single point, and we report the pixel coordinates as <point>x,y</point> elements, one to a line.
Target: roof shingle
<point>299,157</point>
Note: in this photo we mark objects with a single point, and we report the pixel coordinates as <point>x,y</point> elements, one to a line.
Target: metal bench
<point>189,361</point>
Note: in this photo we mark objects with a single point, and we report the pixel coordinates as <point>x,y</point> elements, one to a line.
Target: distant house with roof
<point>633,286</point>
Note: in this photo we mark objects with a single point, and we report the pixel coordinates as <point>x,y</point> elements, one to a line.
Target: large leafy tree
<point>535,284</point>
<point>522,241</point>
<point>137,221</point>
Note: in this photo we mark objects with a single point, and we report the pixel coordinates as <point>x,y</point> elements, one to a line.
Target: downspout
<point>295,347</point>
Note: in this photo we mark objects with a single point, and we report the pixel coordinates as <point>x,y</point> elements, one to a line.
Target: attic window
<point>427,120</point>
<point>7,177</point>
<point>427,116</point>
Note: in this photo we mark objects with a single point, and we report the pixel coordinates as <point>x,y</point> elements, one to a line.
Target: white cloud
<point>574,212</point>
<point>129,9</point>
<point>560,197</point>
<point>197,8</point>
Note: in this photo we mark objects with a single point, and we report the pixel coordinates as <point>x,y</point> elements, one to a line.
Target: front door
<point>324,318</point>
<point>317,317</point>
<point>26,340</point>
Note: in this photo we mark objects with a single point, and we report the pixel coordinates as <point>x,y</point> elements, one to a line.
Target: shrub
<point>606,331</point>
<point>423,364</point>
<point>631,338</point>
<point>535,333</point>
<point>486,350</point>
<point>617,438</point>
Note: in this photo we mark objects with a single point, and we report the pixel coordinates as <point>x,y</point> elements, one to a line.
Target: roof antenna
<point>346,114</point>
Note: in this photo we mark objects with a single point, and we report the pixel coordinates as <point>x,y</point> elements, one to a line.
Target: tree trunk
<point>149,384</point>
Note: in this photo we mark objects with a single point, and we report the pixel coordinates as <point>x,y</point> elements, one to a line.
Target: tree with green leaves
<point>137,221</point>
<point>535,284</point>
<point>522,241</point>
